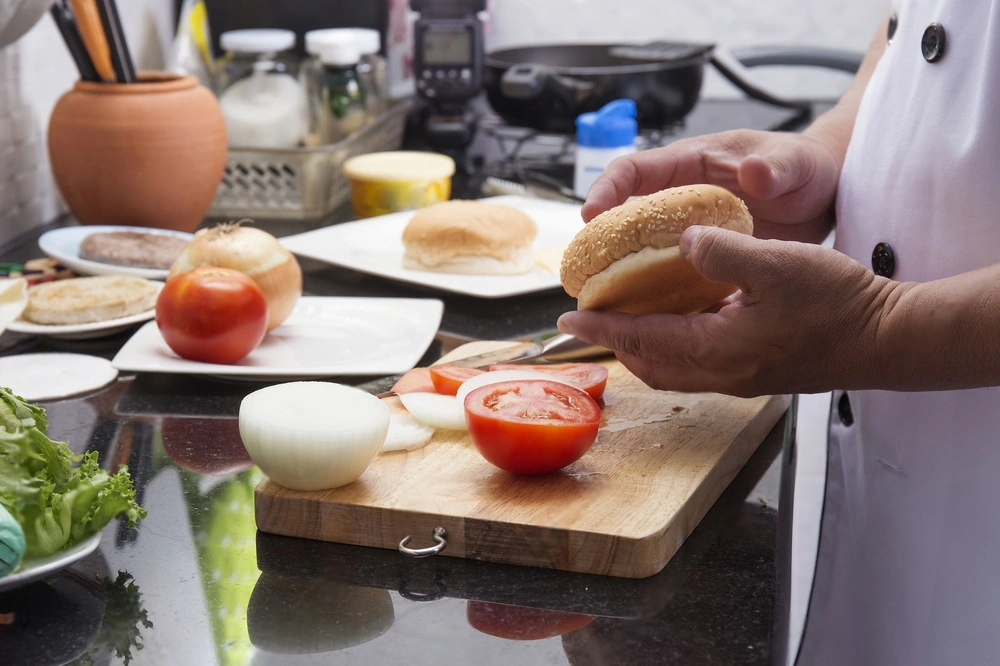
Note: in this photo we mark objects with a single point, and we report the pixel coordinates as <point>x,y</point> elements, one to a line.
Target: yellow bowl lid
<point>399,165</point>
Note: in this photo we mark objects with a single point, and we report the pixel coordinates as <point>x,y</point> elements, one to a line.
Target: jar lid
<point>264,40</point>
<point>399,166</point>
<point>612,126</point>
<point>369,41</point>
<point>343,52</point>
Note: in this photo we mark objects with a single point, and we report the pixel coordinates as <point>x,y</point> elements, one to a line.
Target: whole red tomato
<point>214,315</point>
<point>533,426</point>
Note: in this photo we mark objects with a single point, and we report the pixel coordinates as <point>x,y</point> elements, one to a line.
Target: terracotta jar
<point>149,154</point>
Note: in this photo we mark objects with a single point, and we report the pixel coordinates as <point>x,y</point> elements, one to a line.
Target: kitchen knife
<point>561,347</point>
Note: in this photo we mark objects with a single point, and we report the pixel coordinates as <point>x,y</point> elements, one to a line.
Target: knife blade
<point>561,347</point>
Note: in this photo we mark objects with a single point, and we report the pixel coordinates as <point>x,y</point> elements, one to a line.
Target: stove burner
<point>524,154</point>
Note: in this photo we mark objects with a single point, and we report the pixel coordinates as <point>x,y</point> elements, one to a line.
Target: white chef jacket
<point>908,567</point>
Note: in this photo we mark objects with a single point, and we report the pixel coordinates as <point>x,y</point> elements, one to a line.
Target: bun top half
<point>457,228</point>
<point>656,220</point>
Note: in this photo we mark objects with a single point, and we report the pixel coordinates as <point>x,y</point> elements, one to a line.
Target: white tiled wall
<point>34,72</point>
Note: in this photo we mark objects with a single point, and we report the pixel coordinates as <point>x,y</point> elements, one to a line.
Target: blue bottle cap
<point>612,126</point>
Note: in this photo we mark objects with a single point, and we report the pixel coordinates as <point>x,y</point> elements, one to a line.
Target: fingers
<point>648,336</point>
<point>758,166</point>
<point>643,173</point>
<point>774,173</point>
<point>727,256</point>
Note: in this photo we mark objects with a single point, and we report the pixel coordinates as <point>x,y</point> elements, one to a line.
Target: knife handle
<point>88,21</point>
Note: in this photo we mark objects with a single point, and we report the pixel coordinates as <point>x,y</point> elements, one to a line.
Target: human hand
<point>805,320</point>
<point>788,181</point>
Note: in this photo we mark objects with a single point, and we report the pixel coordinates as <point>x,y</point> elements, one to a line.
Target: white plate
<point>375,246</point>
<point>32,570</point>
<point>95,329</point>
<point>324,336</point>
<point>53,375</point>
<point>63,244</point>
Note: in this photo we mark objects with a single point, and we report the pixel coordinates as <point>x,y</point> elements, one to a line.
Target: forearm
<point>943,334</point>
<point>834,128</point>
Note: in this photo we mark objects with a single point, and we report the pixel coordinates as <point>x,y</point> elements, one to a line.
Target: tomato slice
<point>533,426</point>
<point>447,378</point>
<point>591,377</point>
<point>417,380</point>
<point>520,623</point>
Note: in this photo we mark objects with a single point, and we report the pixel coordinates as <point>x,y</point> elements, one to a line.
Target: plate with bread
<point>490,248</point>
<point>115,250</point>
<point>87,307</point>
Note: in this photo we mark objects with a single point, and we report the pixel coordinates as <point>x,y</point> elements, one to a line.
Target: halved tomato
<point>447,378</point>
<point>520,623</point>
<point>533,426</point>
<point>591,377</point>
<point>417,380</point>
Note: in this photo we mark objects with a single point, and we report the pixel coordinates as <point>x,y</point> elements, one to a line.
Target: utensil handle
<point>120,57</point>
<point>74,43</point>
<point>88,20</point>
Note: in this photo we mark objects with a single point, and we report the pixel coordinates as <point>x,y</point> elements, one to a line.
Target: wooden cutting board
<point>660,461</point>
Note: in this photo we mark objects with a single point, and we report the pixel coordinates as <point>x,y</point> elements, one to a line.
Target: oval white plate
<point>63,244</point>
<point>94,329</point>
<point>54,375</point>
<point>33,570</point>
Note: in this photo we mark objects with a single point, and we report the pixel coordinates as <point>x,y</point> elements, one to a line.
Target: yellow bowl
<point>398,180</point>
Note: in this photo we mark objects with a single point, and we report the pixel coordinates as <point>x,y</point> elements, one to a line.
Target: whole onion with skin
<point>254,252</point>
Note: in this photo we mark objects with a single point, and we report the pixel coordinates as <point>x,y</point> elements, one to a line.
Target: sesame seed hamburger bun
<point>471,237</point>
<point>627,259</point>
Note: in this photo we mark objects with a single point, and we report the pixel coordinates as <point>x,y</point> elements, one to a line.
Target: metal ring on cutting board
<point>440,536</point>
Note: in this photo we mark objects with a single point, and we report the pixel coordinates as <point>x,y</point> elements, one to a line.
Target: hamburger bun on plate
<point>470,237</point>
<point>627,259</point>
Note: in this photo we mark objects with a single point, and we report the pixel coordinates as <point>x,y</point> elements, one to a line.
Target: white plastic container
<point>601,136</point>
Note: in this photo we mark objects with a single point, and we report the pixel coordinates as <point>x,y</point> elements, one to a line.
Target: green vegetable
<point>56,502</point>
<point>11,542</point>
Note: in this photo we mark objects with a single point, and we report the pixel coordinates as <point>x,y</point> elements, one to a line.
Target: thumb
<point>771,175</point>
<point>727,256</point>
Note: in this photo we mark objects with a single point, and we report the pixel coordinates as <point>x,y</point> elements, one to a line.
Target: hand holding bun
<point>627,259</point>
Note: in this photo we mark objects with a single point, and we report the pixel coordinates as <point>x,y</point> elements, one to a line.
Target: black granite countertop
<point>196,583</point>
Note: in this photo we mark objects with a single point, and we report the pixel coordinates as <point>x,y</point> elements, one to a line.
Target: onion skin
<point>254,252</point>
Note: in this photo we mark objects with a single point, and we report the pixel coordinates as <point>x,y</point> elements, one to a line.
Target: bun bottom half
<point>522,262</point>
<point>652,280</point>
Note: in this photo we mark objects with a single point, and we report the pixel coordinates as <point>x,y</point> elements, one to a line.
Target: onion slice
<point>435,410</point>
<point>494,376</point>
<point>312,435</point>
<point>406,433</point>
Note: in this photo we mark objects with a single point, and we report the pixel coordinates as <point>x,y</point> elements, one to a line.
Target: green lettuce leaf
<point>59,498</point>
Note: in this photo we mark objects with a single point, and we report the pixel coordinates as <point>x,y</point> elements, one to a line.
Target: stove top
<point>501,157</point>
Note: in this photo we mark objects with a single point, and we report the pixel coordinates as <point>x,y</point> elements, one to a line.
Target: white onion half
<point>312,435</point>
<point>406,433</point>
<point>494,376</point>
<point>435,410</point>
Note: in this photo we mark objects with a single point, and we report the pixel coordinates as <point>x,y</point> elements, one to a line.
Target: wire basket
<point>301,183</point>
